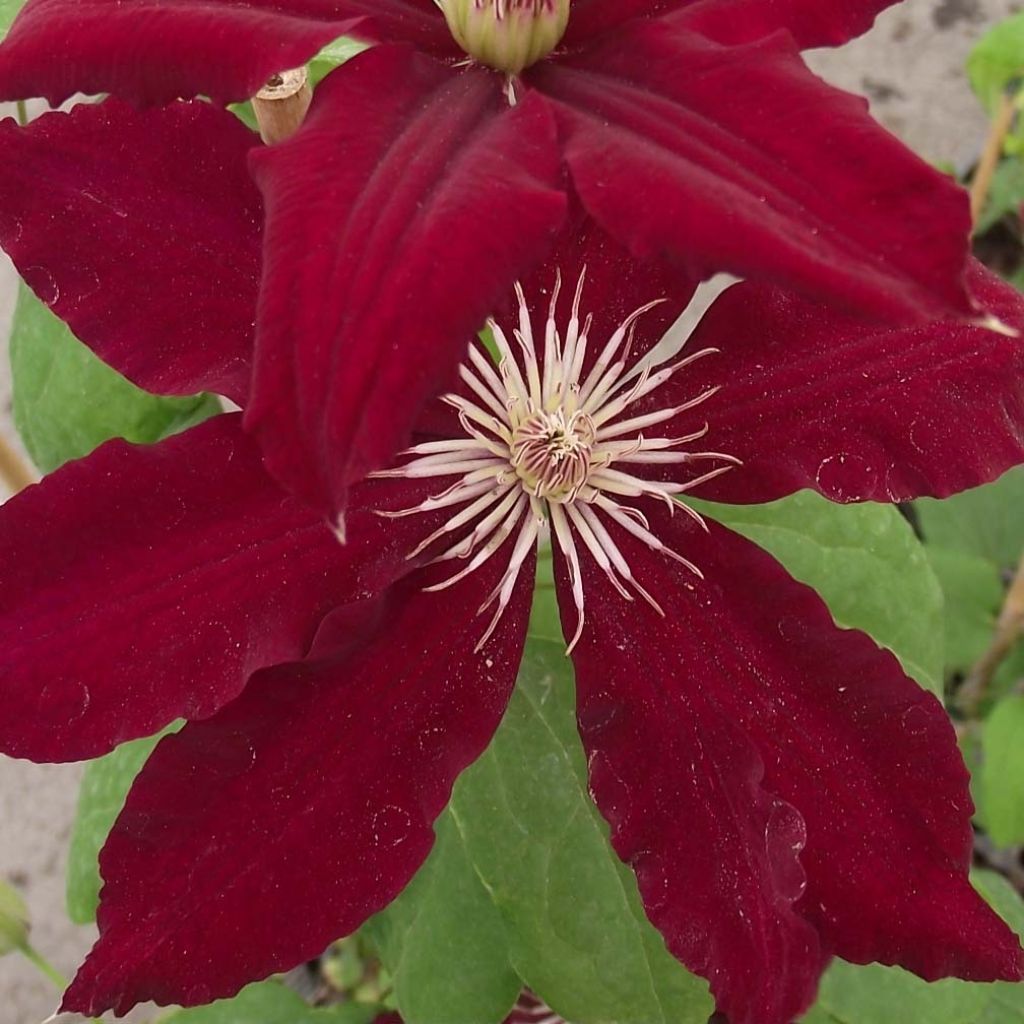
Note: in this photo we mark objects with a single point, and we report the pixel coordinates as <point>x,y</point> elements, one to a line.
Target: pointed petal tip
<point>990,322</point>
<point>64,1016</point>
<point>1007,962</point>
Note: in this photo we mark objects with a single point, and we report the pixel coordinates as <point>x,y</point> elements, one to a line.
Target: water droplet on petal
<point>599,713</point>
<point>915,720</point>
<point>391,826</point>
<point>785,835</point>
<point>42,282</point>
<point>792,629</point>
<point>844,477</point>
<point>652,879</point>
<point>86,284</point>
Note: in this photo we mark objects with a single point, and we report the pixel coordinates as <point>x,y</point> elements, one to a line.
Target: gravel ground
<point>910,67</point>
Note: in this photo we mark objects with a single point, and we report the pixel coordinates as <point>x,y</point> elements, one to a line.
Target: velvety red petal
<point>591,18</point>
<point>813,397</point>
<point>810,22</point>
<point>715,853</point>
<point>397,219</point>
<point>872,793</point>
<point>152,51</point>
<point>252,840</point>
<point>142,232</point>
<point>738,158</point>
<point>143,584</point>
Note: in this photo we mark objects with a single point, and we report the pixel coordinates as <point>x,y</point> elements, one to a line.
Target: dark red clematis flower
<point>783,790</point>
<point>433,171</point>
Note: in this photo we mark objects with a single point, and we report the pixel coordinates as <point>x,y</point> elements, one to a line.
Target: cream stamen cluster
<point>543,447</point>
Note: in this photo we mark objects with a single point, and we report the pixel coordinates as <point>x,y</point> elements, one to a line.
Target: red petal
<point>869,759</point>
<point>866,758</point>
<point>398,218</point>
<point>143,584</point>
<point>252,840</point>
<point>591,18</point>
<point>152,51</point>
<point>142,232</point>
<point>747,162</point>
<point>810,22</point>
<point>715,853</point>
<point>813,397</point>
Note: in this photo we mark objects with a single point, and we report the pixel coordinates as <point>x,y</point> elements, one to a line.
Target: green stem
<point>44,966</point>
<point>22,113</point>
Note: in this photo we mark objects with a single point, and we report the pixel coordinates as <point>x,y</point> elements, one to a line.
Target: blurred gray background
<point>910,67</point>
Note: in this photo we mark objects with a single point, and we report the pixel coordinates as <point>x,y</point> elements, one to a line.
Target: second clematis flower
<point>434,170</point>
<point>783,791</point>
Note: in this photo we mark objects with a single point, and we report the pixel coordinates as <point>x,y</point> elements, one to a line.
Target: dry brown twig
<point>14,473</point>
<point>281,105</point>
<point>1001,125</point>
<point>1009,628</point>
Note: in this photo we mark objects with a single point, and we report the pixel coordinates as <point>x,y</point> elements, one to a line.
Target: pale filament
<point>542,448</point>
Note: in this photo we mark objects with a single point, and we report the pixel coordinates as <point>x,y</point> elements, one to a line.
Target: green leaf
<point>544,620</point>
<point>973,594</point>
<point>444,943</point>
<point>997,60</point>
<point>985,521</point>
<point>1002,772</point>
<point>880,995</point>
<point>104,787</point>
<point>67,402</point>
<point>576,931</point>
<point>270,1003</point>
<point>865,562</point>
<point>333,55</point>
<point>8,11</point>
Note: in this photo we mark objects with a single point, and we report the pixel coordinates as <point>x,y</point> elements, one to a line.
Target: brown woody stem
<point>13,471</point>
<point>1009,627</point>
<point>1002,122</point>
<point>281,105</point>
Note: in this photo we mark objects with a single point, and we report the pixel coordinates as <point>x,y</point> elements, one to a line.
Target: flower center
<point>557,435</point>
<point>553,453</point>
<point>508,35</point>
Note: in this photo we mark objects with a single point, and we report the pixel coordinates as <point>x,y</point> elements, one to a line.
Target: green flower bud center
<point>508,35</point>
